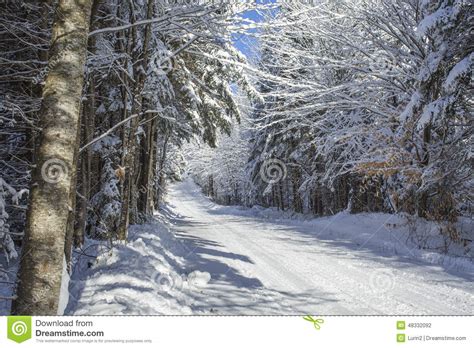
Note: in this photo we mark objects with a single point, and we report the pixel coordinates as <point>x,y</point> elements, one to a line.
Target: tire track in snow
<point>285,263</point>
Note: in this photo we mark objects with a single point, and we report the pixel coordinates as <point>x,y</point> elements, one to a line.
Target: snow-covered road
<point>260,266</point>
<point>261,263</point>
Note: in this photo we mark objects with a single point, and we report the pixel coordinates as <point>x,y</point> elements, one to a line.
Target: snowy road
<point>260,266</point>
<point>260,263</point>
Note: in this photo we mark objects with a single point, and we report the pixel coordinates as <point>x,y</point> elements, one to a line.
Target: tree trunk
<point>296,182</point>
<point>130,147</point>
<point>53,177</point>
<point>160,191</point>
<point>79,230</point>
<point>423,196</point>
<point>88,121</point>
<point>149,163</point>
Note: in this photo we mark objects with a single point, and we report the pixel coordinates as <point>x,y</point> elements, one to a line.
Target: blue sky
<point>246,44</point>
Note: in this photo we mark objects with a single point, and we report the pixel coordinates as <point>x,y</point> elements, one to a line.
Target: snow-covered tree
<point>437,122</point>
<point>221,170</point>
<point>367,106</point>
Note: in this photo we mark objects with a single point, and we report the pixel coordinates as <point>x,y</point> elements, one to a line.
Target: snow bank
<point>146,276</point>
<point>395,234</point>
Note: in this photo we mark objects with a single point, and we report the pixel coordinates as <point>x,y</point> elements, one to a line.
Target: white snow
<point>64,293</point>
<point>202,258</point>
<point>461,68</point>
<point>414,102</point>
<point>431,20</point>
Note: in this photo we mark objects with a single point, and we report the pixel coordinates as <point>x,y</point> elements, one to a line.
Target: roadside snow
<point>145,276</point>
<point>64,292</point>
<point>202,258</point>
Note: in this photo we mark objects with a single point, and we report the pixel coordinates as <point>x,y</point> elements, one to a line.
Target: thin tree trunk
<point>148,173</point>
<point>53,178</point>
<point>152,169</point>
<point>131,145</point>
<point>160,191</point>
<point>423,196</point>
<point>86,157</point>
<point>79,230</point>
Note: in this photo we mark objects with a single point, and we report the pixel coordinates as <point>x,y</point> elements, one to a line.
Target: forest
<point>307,108</point>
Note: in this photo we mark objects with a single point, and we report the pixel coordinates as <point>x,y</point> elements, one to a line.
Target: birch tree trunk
<point>53,176</point>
